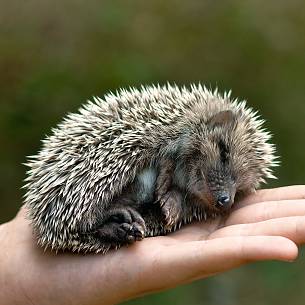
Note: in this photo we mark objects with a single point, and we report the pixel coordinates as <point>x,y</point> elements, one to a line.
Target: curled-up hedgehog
<point>142,163</point>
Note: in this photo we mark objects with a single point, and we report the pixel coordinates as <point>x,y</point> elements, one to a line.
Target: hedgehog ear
<point>222,118</point>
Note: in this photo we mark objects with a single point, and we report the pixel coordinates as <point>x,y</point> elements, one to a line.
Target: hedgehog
<point>144,162</point>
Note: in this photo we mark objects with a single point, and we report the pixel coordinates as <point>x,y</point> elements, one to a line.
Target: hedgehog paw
<point>171,208</point>
<point>123,226</point>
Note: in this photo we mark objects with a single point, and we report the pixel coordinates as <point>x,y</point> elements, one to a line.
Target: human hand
<point>267,225</point>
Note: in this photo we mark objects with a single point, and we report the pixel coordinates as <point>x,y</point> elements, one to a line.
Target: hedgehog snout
<point>224,201</point>
<point>222,188</point>
<point>222,194</point>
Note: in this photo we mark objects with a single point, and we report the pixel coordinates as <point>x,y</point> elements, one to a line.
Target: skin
<point>268,225</point>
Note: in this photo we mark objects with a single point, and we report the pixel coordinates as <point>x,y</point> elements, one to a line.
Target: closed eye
<point>224,151</point>
<point>199,174</point>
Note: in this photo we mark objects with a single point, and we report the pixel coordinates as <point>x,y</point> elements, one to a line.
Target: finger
<point>266,210</point>
<point>199,259</point>
<point>248,214</point>
<point>280,193</point>
<point>289,227</point>
<point>197,230</point>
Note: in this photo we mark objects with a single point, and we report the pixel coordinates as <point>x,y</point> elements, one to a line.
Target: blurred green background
<point>56,54</point>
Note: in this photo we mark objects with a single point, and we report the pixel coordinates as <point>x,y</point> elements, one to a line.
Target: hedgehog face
<point>221,160</point>
<point>211,181</point>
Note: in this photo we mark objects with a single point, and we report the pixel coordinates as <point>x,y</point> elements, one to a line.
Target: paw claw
<point>171,208</point>
<point>124,226</point>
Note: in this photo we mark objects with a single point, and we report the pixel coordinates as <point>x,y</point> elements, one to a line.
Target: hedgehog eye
<point>224,151</point>
<point>199,174</point>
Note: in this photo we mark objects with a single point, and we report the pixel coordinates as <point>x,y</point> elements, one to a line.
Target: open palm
<point>266,225</point>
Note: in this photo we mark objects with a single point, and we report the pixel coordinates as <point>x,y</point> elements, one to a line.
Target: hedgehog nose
<point>224,201</point>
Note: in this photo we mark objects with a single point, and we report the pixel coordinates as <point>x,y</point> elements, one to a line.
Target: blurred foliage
<point>56,54</point>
